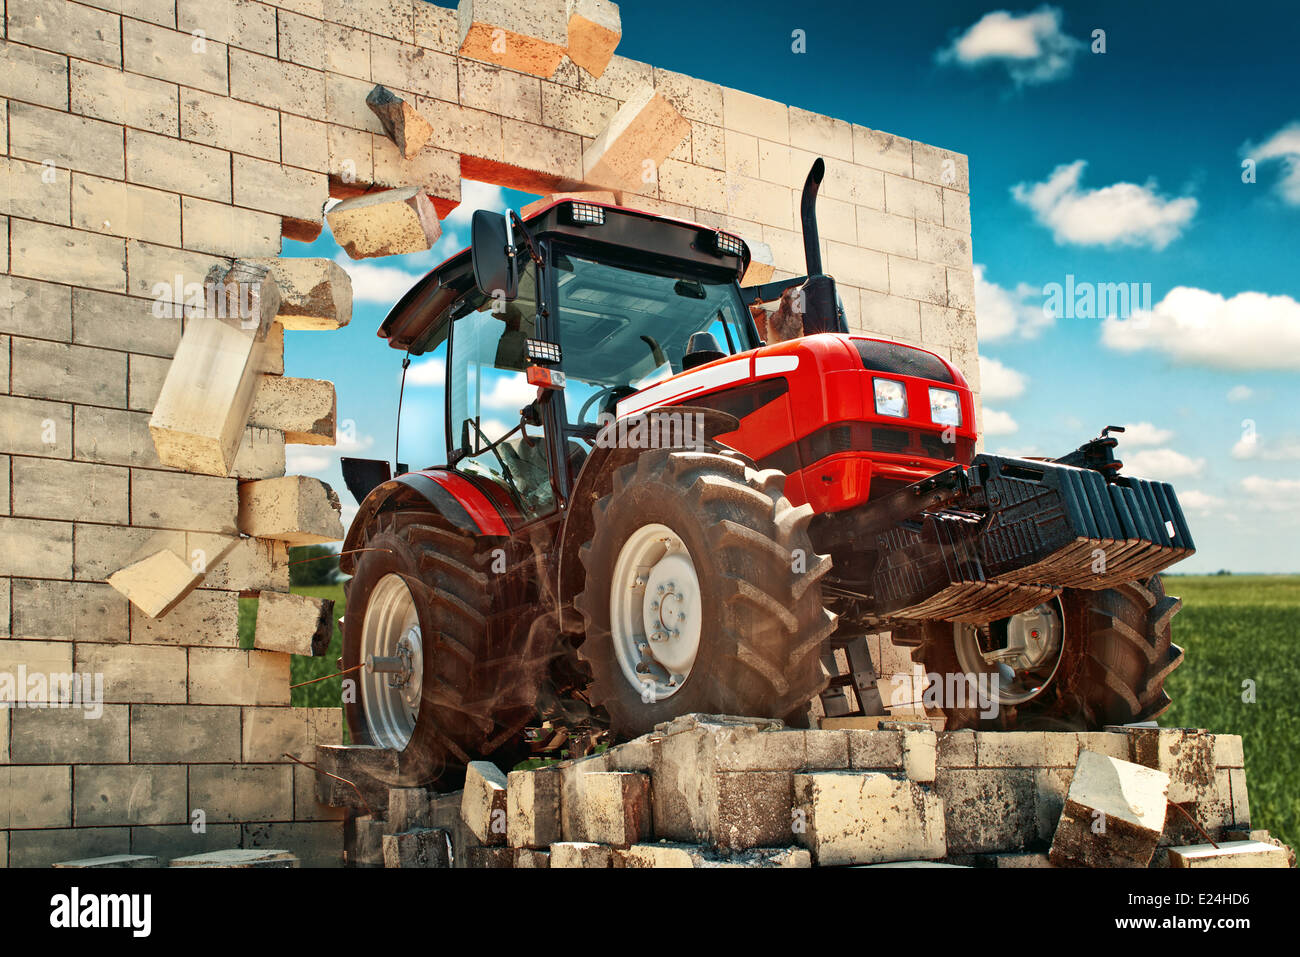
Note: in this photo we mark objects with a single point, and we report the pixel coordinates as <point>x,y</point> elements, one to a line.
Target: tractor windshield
<point>623,327</point>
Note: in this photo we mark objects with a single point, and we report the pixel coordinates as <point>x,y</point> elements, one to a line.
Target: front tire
<point>702,594</point>
<point>1117,650</point>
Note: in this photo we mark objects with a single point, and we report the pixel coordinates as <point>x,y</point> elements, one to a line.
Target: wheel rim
<point>390,639</point>
<point>1023,651</point>
<point>655,612</point>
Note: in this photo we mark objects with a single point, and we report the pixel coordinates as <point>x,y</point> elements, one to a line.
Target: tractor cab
<point>546,324</point>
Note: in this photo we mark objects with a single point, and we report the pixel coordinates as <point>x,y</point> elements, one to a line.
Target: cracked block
<point>293,624</point>
<point>305,410</point>
<point>628,154</point>
<point>483,802</point>
<point>868,817</point>
<point>530,38</point>
<point>386,223</point>
<point>594,29</point>
<point>295,509</point>
<point>315,294</point>
<point>1114,814</point>
<point>408,130</point>
<point>156,584</point>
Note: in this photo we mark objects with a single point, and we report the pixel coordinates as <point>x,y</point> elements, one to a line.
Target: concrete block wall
<point>145,141</point>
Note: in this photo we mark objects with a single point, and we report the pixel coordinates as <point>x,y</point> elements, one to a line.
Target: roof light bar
<point>586,214</point>
<point>539,350</point>
<point>728,244</point>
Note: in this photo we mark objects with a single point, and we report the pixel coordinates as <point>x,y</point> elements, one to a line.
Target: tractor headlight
<point>891,398</point>
<point>945,407</point>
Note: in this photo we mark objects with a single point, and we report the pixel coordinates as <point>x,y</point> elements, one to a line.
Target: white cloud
<point>430,372</point>
<point>1251,330</point>
<point>317,459</point>
<point>1122,214</point>
<point>1161,464</point>
<point>1283,146</point>
<point>998,381</point>
<point>373,283</point>
<point>1031,46</point>
<point>1251,447</point>
<point>999,423</point>
<point>1281,490</point>
<point>1197,501</point>
<point>509,393</point>
<point>1144,433</point>
<point>1240,393</point>
<point>1002,313</point>
<point>305,460</point>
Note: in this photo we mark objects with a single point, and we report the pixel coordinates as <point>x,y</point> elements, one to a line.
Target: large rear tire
<point>702,594</point>
<point>1117,652</point>
<point>422,593</point>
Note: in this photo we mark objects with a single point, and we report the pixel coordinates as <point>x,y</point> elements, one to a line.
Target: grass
<point>1236,629</point>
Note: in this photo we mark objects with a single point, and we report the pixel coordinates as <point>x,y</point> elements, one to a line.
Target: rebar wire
<point>346,551</point>
<point>369,809</point>
<point>1195,823</point>
<point>336,674</point>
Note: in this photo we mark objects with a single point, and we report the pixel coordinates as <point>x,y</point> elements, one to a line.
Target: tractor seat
<point>702,347</point>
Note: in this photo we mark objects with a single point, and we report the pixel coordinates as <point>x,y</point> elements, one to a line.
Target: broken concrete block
<point>533,808</point>
<point>1114,814</point>
<point>920,755</point>
<point>1229,854</point>
<point>527,857</point>
<point>867,817</point>
<point>762,265</point>
<point>530,38</point>
<point>293,624</point>
<point>615,808</point>
<point>988,809</point>
<point>408,810</point>
<point>493,857</point>
<point>315,294</point>
<point>303,409</point>
<point>581,854</point>
<point>602,196</point>
<point>594,30</point>
<point>156,584</point>
<point>421,847</point>
<point>1187,755</point>
<point>628,153</point>
<point>402,122</point>
<point>240,858</point>
<point>386,223</point>
<point>113,860</point>
<point>246,296</point>
<point>366,845</point>
<point>296,509</point>
<point>202,410</point>
<point>483,802</point>
<point>688,855</point>
<point>365,765</point>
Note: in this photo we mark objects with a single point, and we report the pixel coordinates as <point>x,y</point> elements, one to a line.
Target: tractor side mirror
<point>492,252</point>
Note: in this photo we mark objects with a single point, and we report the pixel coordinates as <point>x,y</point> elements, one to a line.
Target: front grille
<point>863,437</point>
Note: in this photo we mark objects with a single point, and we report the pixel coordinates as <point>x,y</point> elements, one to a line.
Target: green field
<point>1233,628</point>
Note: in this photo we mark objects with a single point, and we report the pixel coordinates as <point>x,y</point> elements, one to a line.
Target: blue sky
<point>1115,167</point>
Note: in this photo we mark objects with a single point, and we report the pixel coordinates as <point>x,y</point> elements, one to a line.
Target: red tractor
<point>647,510</point>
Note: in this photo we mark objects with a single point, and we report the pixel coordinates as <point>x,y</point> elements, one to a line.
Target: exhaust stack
<point>812,250</point>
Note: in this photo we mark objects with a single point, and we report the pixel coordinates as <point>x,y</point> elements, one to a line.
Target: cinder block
<point>111,861</point>
<point>293,193</point>
<point>420,847</point>
<point>35,75</point>
<point>69,491</point>
<point>111,321</point>
<point>882,151</point>
<point>385,223</point>
<point>34,191</point>
<point>490,857</point>
<point>404,66</point>
<point>364,843</point>
<point>152,674</point>
<point>237,22</point>
<point>184,733</point>
<point>1114,814</point>
<point>271,733</point>
<point>988,810</point>
<point>533,808</point>
<point>408,810</point>
<point>177,166</point>
<point>687,855</point>
<point>277,84</point>
<point>483,802</point>
<point>866,817</point>
<point>408,130</point>
<point>157,584</point>
<point>68,141</point>
<point>120,794</point>
<point>594,30</point>
<point>500,92</point>
<point>615,808</point>
<point>242,792</point>
<point>295,509</point>
<point>35,797</point>
<point>315,843</point>
<point>294,624</point>
<point>170,55</point>
<point>128,98</point>
<point>72,256</point>
<point>532,859</point>
<point>199,418</point>
<point>235,676</point>
<point>239,858</point>
<point>531,39</point>
<point>39,309</point>
<point>35,549</point>
<point>65,736</point>
<point>303,409</point>
<point>228,230</point>
<point>1229,854</point>
<point>366,766</point>
<point>170,841</point>
<point>581,854</point>
<point>204,618</point>
<point>201,503</point>
<point>635,144</point>
<point>1187,755</point>
<point>63,610</point>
